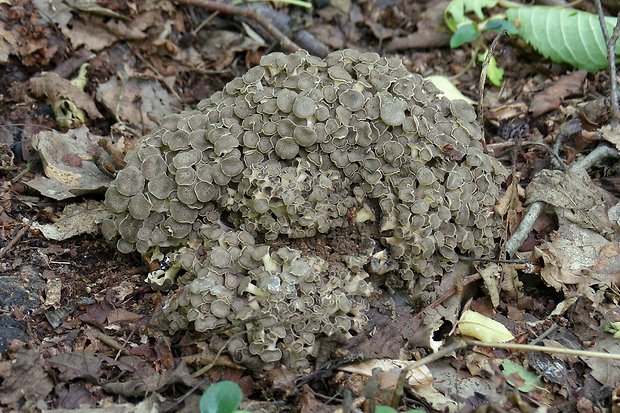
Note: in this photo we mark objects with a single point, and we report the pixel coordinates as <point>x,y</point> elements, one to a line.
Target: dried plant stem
<point>545,349</point>
<point>286,43</point>
<point>610,42</point>
<point>483,79</point>
<point>8,247</point>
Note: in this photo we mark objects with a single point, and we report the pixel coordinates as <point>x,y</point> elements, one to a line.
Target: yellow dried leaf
<point>483,328</point>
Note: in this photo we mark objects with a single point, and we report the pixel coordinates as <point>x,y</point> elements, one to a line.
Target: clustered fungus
<point>295,148</point>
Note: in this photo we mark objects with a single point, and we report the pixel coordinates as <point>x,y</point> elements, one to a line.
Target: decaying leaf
<point>551,98</point>
<point>57,89</point>
<point>415,377</point>
<point>76,219</point>
<point>483,328</point>
<point>69,162</point>
<point>519,377</point>
<point>606,372</point>
<point>447,88</point>
<point>573,197</point>
<point>491,276</point>
<point>137,101</point>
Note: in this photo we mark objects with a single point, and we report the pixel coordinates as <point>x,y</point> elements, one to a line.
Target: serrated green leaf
<point>454,15</point>
<point>464,34</point>
<point>221,397</point>
<point>520,378</point>
<point>483,328</point>
<point>564,35</point>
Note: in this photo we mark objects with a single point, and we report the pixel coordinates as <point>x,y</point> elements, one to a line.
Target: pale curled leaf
<point>483,328</point>
<point>415,377</point>
<point>447,88</point>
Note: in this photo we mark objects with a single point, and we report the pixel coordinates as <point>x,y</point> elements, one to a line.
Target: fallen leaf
<point>483,328</point>
<point>67,180</point>
<point>55,88</point>
<point>419,376</point>
<point>519,377</point>
<point>76,219</point>
<point>551,98</point>
<point>25,379</point>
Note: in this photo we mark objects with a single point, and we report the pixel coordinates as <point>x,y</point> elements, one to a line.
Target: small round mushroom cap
<point>115,201</point>
<point>285,100</point>
<point>129,181</point>
<point>304,107</point>
<point>161,186</point>
<point>392,113</point>
<point>286,148</point>
<point>108,229</point>
<point>182,213</point>
<point>304,136</point>
<point>231,166</point>
<point>352,100</point>
<point>139,207</point>
<point>153,165</point>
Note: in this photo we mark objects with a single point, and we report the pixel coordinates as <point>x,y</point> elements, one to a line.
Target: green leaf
<point>464,34</point>
<point>519,377</point>
<point>454,15</point>
<point>384,409</point>
<point>499,25</point>
<point>495,74</point>
<point>564,35</point>
<point>221,397</point>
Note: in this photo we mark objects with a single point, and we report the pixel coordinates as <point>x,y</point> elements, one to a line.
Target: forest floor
<point>75,314</point>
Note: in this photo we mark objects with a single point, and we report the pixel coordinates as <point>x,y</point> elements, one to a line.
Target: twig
<point>286,43</point>
<point>572,127</point>
<point>8,247</point>
<point>545,349</point>
<point>483,79</point>
<point>523,230</point>
<point>610,42</point>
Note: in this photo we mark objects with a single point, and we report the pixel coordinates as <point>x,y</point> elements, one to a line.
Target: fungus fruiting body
<point>300,148</point>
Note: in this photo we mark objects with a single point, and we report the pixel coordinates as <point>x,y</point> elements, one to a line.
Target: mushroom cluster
<point>297,148</point>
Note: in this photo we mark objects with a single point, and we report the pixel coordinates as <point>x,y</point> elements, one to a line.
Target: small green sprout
<point>222,397</point>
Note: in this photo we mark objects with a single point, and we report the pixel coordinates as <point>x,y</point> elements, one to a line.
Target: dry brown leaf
<point>420,376</point>
<point>67,180</point>
<point>54,88</point>
<point>26,379</point>
<point>551,98</point>
<point>573,197</point>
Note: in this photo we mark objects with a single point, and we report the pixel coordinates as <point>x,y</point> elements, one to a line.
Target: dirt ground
<point>75,314</point>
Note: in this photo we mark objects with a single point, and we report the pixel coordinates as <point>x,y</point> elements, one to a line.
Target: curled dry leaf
<point>419,376</point>
<point>483,328</point>
<point>56,88</point>
<point>551,98</point>
<point>59,154</point>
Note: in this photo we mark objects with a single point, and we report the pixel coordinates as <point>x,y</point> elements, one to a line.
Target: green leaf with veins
<point>564,35</point>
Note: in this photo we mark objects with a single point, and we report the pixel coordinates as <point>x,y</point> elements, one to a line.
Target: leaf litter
<point>160,65</point>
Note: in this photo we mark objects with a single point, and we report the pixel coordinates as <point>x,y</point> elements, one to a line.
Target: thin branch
<point>545,349</point>
<point>286,43</point>
<point>610,42</point>
<point>483,79</point>
<point>8,247</point>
